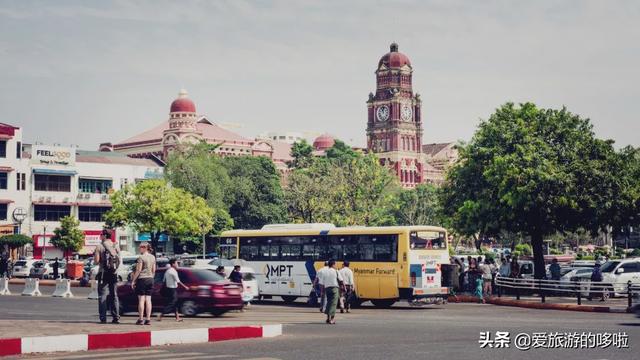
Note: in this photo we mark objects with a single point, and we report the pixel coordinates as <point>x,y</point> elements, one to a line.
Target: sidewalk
<point>615,305</point>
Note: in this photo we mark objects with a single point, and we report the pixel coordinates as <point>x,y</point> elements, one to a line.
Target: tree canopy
<point>154,207</point>
<point>14,241</point>
<point>534,171</point>
<point>68,236</point>
<point>418,206</point>
<point>302,154</point>
<point>346,190</point>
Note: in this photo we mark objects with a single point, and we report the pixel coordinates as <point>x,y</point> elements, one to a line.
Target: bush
<point>555,251</point>
<point>635,252</point>
<point>524,249</point>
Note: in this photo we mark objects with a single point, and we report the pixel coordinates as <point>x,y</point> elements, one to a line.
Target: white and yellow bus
<point>389,263</point>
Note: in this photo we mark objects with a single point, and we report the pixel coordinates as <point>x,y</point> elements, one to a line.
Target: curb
<point>535,305</point>
<point>87,342</point>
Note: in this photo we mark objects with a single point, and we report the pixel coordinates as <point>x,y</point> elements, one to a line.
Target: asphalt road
<point>446,332</point>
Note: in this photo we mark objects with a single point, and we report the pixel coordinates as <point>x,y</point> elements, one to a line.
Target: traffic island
<point>134,339</point>
<point>503,301</point>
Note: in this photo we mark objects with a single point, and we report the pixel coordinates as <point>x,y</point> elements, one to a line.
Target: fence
<point>548,288</point>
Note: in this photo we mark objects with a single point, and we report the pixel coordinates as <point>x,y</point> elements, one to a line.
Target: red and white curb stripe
<point>85,342</point>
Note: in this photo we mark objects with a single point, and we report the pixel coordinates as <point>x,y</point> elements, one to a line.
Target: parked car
<point>619,272</point>
<point>208,292</point>
<point>125,267</point>
<point>22,268</point>
<point>576,274</point>
<point>43,269</point>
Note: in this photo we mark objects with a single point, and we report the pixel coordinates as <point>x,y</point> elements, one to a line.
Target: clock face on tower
<point>382,113</point>
<point>406,113</point>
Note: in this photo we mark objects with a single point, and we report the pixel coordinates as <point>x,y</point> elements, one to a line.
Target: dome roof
<point>394,59</point>
<point>183,103</point>
<point>323,142</point>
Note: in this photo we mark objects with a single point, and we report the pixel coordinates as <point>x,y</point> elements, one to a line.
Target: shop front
<point>42,248</point>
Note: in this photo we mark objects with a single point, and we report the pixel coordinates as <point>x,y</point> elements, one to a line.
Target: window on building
<point>21,181</point>
<point>3,149</point>
<point>50,212</point>
<point>92,213</point>
<point>52,182</point>
<point>3,211</point>
<point>3,180</point>
<point>19,150</point>
<point>97,186</point>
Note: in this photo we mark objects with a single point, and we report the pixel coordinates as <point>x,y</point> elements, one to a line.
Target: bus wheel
<point>383,303</point>
<point>289,299</point>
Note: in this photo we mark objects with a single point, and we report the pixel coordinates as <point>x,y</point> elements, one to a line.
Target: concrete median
<point>534,305</point>
<point>137,339</point>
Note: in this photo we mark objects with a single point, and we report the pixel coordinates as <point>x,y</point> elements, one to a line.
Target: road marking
<point>164,355</point>
<point>103,353</point>
<point>205,356</point>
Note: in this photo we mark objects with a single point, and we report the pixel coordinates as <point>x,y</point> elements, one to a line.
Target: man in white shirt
<point>347,295</point>
<point>170,290</point>
<point>332,280</point>
<point>320,282</point>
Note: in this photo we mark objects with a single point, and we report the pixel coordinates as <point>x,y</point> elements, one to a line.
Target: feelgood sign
<point>59,157</point>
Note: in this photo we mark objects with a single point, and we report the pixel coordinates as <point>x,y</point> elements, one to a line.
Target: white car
<point>619,272</point>
<point>22,268</point>
<point>250,289</point>
<point>125,267</point>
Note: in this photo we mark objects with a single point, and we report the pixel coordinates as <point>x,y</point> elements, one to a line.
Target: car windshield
<point>206,275</point>
<point>21,263</point>
<point>609,266</point>
<point>584,271</point>
<point>38,264</point>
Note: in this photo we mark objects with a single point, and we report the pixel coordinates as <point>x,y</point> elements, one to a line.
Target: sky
<point>87,72</point>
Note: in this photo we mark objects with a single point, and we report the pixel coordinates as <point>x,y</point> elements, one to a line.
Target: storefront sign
<point>147,237</point>
<point>53,155</point>
<point>7,230</point>
<point>42,241</point>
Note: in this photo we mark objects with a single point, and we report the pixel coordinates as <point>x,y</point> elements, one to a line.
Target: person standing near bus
<point>347,294</point>
<point>319,282</point>
<point>332,283</point>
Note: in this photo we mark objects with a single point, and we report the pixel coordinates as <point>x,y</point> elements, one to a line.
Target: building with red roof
<point>184,126</point>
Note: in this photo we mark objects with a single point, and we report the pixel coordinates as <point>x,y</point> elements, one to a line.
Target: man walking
<point>170,290</point>
<point>347,296</point>
<point>55,267</point>
<point>319,281</point>
<point>107,257</point>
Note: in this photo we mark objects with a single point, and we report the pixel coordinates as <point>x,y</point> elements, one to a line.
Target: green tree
<point>341,151</point>
<point>256,193</point>
<point>534,171</point>
<point>14,241</point>
<point>418,206</point>
<point>155,207</point>
<point>302,153</point>
<point>68,236</point>
<point>344,191</point>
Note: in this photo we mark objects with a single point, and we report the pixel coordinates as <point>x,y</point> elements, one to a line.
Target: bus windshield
<point>429,240</point>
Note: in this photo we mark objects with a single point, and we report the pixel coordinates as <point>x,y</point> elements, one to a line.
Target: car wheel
<point>289,299</point>
<point>189,308</point>
<point>383,303</point>
<point>218,312</point>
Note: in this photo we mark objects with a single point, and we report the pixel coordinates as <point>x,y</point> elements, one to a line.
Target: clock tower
<point>394,125</point>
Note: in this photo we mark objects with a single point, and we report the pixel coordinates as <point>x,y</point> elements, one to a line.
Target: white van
<point>619,272</point>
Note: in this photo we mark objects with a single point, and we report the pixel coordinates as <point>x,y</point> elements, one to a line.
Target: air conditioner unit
<point>65,200</point>
<point>41,199</point>
<point>48,198</point>
<point>80,196</point>
<point>105,197</point>
<point>87,196</point>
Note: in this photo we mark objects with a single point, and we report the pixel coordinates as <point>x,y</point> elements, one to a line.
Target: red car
<point>208,292</point>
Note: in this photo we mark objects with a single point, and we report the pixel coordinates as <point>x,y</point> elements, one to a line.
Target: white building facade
<point>47,183</point>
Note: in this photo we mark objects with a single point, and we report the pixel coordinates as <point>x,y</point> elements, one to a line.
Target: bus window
<point>249,252</point>
<point>430,240</point>
<point>350,252</point>
<point>310,252</point>
<point>290,252</point>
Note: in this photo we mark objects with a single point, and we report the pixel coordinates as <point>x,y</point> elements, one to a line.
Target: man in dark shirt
<point>236,275</point>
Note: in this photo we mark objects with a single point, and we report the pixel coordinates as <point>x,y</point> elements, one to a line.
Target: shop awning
<point>54,172</point>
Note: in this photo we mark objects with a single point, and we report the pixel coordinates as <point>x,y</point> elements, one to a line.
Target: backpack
<point>110,260</point>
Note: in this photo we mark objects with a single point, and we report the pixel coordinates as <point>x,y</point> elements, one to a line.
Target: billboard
<point>53,155</point>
